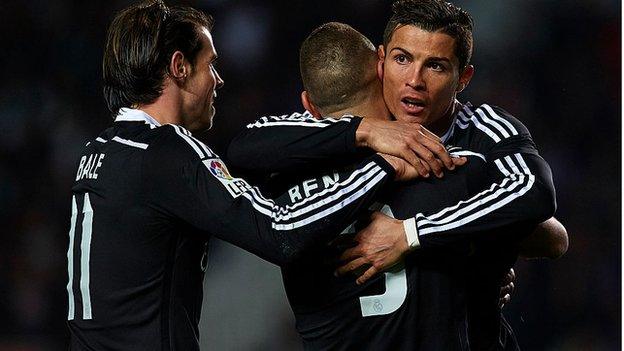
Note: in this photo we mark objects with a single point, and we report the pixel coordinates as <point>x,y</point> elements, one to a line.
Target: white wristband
<point>411,233</point>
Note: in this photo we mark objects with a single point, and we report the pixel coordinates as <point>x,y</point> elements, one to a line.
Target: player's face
<point>201,86</point>
<point>420,74</point>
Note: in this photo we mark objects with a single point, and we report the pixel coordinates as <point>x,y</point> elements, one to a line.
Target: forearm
<point>278,144</point>
<point>524,194</point>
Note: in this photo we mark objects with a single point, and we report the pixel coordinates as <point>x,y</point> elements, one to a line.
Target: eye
<point>401,59</point>
<point>438,67</point>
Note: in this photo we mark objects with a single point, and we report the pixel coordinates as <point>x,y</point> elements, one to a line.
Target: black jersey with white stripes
<point>332,142</point>
<point>468,223</point>
<point>146,199</point>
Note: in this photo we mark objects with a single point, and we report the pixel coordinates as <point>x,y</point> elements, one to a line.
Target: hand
<point>381,245</point>
<point>507,288</point>
<point>410,141</point>
<point>403,171</point>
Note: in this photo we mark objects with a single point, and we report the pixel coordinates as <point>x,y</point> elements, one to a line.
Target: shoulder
<point>303,119</point>
<point>173,144</point>
<point>492,122</point>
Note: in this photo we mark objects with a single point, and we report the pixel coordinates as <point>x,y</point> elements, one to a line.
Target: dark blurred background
<point>553,64</point>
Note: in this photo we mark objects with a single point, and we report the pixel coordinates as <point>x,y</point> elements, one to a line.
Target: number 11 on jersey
<point>85,254</point>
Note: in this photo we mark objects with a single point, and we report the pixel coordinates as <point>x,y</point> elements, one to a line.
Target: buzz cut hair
<point>336,62</point>
<point>434,16</point>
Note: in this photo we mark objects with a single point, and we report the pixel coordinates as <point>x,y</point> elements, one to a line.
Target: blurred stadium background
<point>554,64</point>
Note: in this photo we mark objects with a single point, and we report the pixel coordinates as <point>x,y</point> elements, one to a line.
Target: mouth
<point>413,106</point>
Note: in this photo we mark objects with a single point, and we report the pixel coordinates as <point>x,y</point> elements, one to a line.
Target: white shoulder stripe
<point>297,119</point>
<point>494,115</point>
<point>512,165</point>
<point>480,126</point>
<point>502,168</point>
<point>488,121</point>
<point>130,143</point>
<point>259,124</point>
<point>101,140</point>
<point>492,123</point>
<point>523,164</point>
<point>188,140</point>
<point>197,142</point>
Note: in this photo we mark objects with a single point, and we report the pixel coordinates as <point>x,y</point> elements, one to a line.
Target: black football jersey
<point>146,199</point>
<point>444,295</point>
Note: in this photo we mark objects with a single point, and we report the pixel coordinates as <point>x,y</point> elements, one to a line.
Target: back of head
<point>140,42</point>
<point>434,16</point>
<point>337,62</point>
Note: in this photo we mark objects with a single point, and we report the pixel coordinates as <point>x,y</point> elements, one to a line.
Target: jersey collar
<point>133,115</point>
<point>449,133</point>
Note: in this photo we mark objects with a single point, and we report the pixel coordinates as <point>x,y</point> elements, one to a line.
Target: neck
<point>442,125</point>
<point>370,107</point>
<point>166,109</point>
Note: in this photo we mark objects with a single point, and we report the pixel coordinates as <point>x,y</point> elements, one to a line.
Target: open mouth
<point>412,105</point>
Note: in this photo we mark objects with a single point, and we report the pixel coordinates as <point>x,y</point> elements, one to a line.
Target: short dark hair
<point>336,62</point>
<point>433,16</point>
<point>140,42</point>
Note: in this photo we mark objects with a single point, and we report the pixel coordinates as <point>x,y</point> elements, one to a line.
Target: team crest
<point>235,186</point>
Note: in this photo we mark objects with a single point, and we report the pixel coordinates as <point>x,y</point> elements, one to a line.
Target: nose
<point>219,81</point>
<point>416,80</point>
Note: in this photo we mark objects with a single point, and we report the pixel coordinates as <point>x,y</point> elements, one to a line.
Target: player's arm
<point>521,192</point>
<point>277,144</point>
<point>548,240</point>
<point>518,190</point>
<point>198,190</point>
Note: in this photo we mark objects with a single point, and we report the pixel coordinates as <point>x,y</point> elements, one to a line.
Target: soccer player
<point>482,216</point>
<point>147,195</point>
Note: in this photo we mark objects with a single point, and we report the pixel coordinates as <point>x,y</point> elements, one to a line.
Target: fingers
<point>421,167</point>
<point>510,277</point>
<point>350,266</point>
<point>507,289</point>
<point>504,300</point>
<point>459,161</point>
<point>371,272</point>
<point>439,151</point>
<point>350,254</point>
<point>429,134</point>
<point>428,157</point>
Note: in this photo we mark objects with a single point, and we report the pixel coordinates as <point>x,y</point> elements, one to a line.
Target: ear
<point>178,66</point>
<point>308,105</point>
<point>464,78</point>
<point>381,54</point>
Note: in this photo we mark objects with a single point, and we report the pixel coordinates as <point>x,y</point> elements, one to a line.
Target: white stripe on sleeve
<point>514,185</point>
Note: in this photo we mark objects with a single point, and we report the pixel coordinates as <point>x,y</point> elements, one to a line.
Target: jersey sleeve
<point>520,190</point>
<point>199,191</point>
<point>277,144</point>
